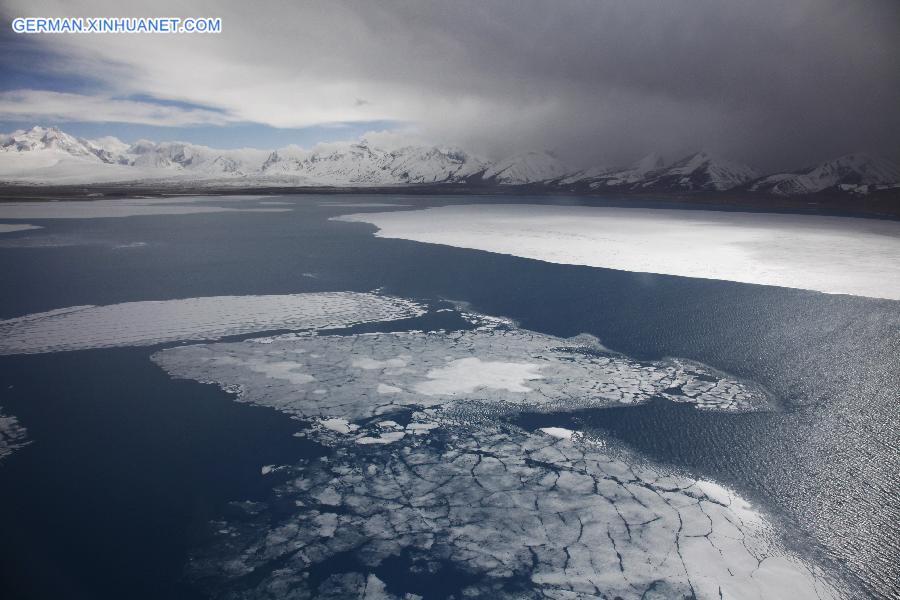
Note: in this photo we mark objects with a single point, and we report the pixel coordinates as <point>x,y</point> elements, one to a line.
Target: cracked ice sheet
<point>362,376</point>
<point>207,318</point>
<point>547,514</point>
<point>12,435</point>
<point>527,515</point>
<point>836,255</point>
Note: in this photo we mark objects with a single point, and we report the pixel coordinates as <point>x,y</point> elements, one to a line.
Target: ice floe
<point>828,254</point>
<point>338,425</point>
<point>12,435</point>
<point>9,228</point>
<point>120,207</point>
<point>382,438</point>
<point>558,432</point>
<point>367,375</point>
<point>207,318</point>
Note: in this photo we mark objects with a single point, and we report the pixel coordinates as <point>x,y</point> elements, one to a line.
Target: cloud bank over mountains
<point>773,83</point>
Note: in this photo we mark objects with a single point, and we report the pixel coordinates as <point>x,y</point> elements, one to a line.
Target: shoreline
<point>880,205</point>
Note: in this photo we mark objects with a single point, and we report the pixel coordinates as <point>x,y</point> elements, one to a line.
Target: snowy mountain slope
<point>113,145</point>
<point>623,178</point>
<point>531,167</point>
<point>586,175</point>
<point>361,163</point>
<point>700,171</point>
<point>417,164</point>
<point>858,173</point>
<point>52,139</point>
<point>697,172</point>
<point>54,166</point>
<point>354,164</point>
<point>199,160</point>
<point>42,155</point>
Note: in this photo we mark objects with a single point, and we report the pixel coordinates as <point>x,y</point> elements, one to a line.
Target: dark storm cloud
<point>774,83</point>
<point>765,81</point>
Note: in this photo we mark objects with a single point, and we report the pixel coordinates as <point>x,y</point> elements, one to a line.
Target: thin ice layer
<point>10,228</point>
<point>209,318</point>
<point>122,207</point>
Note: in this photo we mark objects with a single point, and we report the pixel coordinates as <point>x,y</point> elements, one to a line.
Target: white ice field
<point>835,255</point>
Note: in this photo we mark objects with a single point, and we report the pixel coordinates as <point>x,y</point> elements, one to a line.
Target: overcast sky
<point>775,83</point>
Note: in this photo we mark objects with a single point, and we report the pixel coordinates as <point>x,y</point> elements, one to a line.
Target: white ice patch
<point>835,255</point>
<point>465,375</point>
<point>12,435</point>
<point>387,437</point>
<point>285,370</point>
<point>153,322</point>
<point>8,228</point>
<point>328,496</point>
<point>338,425</point>
<point>327,523</point>
<point>558,432</point>
<point>123,207</point>
<point>370,364</point>
<point>421,428</point>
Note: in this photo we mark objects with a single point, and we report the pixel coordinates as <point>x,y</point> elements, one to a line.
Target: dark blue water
<point>127,465</point>
<point>126,469</point>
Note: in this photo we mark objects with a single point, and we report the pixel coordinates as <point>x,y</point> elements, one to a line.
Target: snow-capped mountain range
<point>41,156</point>
<point>851,172</point>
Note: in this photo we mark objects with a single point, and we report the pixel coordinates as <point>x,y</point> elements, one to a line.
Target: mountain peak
<point>648,163</point>
<point>49,138</point>
<point>40,131</point>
